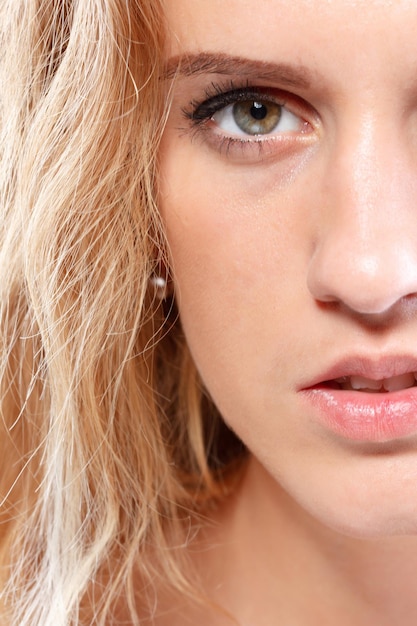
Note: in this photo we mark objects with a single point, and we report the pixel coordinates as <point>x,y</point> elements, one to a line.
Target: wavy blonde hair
<point>108,441</point>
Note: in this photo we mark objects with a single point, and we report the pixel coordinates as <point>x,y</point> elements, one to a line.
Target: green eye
<point>256,118</point>
<point>250,117</point>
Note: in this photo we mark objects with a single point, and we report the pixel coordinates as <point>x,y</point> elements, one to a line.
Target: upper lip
<point>373,367</point>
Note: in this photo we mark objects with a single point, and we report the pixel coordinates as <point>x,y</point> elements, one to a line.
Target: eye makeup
<point>249,121</point>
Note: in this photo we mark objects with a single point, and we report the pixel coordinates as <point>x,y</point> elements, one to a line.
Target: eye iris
<point>256,118</point>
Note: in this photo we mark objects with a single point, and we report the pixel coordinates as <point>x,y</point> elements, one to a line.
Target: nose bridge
<point>366,252</point>
<point>368,171</point>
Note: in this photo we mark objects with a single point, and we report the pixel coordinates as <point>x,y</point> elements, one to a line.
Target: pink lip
<point>362,416</point>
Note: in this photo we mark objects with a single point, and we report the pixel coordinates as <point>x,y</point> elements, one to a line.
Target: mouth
<point>369,374</point>
<point>370,385</point>
<point>366,399</point>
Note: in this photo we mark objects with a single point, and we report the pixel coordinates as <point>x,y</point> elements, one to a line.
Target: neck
<point>265,551</point>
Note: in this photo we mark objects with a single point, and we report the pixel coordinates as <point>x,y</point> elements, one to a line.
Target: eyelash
<point>218,97</point>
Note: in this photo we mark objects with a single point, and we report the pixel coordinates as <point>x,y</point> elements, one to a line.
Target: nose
<point>365,251</point>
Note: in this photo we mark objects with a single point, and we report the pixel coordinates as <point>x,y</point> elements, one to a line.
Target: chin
<point>370,520</point>
<point>365,495</point>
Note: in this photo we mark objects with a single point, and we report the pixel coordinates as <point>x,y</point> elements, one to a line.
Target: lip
<point>360,415</point>
<point>376,368</point>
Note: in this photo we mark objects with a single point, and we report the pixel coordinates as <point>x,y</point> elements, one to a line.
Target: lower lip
<point>362,416</point>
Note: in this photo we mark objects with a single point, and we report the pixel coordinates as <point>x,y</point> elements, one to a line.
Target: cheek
<point>237,257</point>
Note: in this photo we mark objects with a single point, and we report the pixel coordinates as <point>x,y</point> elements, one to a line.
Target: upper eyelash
<point>218,97</point>
<point>199,113</point>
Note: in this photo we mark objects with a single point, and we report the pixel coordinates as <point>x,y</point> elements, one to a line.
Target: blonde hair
<point>108,440</point>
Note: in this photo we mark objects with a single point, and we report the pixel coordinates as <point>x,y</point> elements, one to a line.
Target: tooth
<point>359,382</point>
<point>395,383</point>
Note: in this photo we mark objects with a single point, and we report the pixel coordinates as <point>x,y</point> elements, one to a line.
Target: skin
<point>284,261</point>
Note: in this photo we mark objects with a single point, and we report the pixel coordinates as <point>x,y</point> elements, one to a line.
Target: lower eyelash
<point>234,146</point>
<point>226,144</point>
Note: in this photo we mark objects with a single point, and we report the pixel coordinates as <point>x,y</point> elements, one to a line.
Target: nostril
<point>365,293</point>
<point>362,263</point>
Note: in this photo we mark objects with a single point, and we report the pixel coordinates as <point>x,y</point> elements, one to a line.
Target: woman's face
<point>289,194</point>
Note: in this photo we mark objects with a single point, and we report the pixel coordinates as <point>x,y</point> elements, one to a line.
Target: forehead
<point>268,15</point>
<point>351,31</point>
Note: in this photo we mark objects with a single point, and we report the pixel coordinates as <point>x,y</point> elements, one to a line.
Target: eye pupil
<point>255,117</point>
<point>258,111</point>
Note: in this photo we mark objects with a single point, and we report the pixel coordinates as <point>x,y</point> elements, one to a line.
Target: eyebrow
<point>219,63</point>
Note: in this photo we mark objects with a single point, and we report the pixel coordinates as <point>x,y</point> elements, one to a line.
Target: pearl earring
<point>160,286</point>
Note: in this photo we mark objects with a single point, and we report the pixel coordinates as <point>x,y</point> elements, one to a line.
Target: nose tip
<point>364,282</point>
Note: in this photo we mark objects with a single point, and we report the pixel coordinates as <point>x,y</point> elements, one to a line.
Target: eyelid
<point>220,96</point>
<point>256,147</point>
<point>208,107</point>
